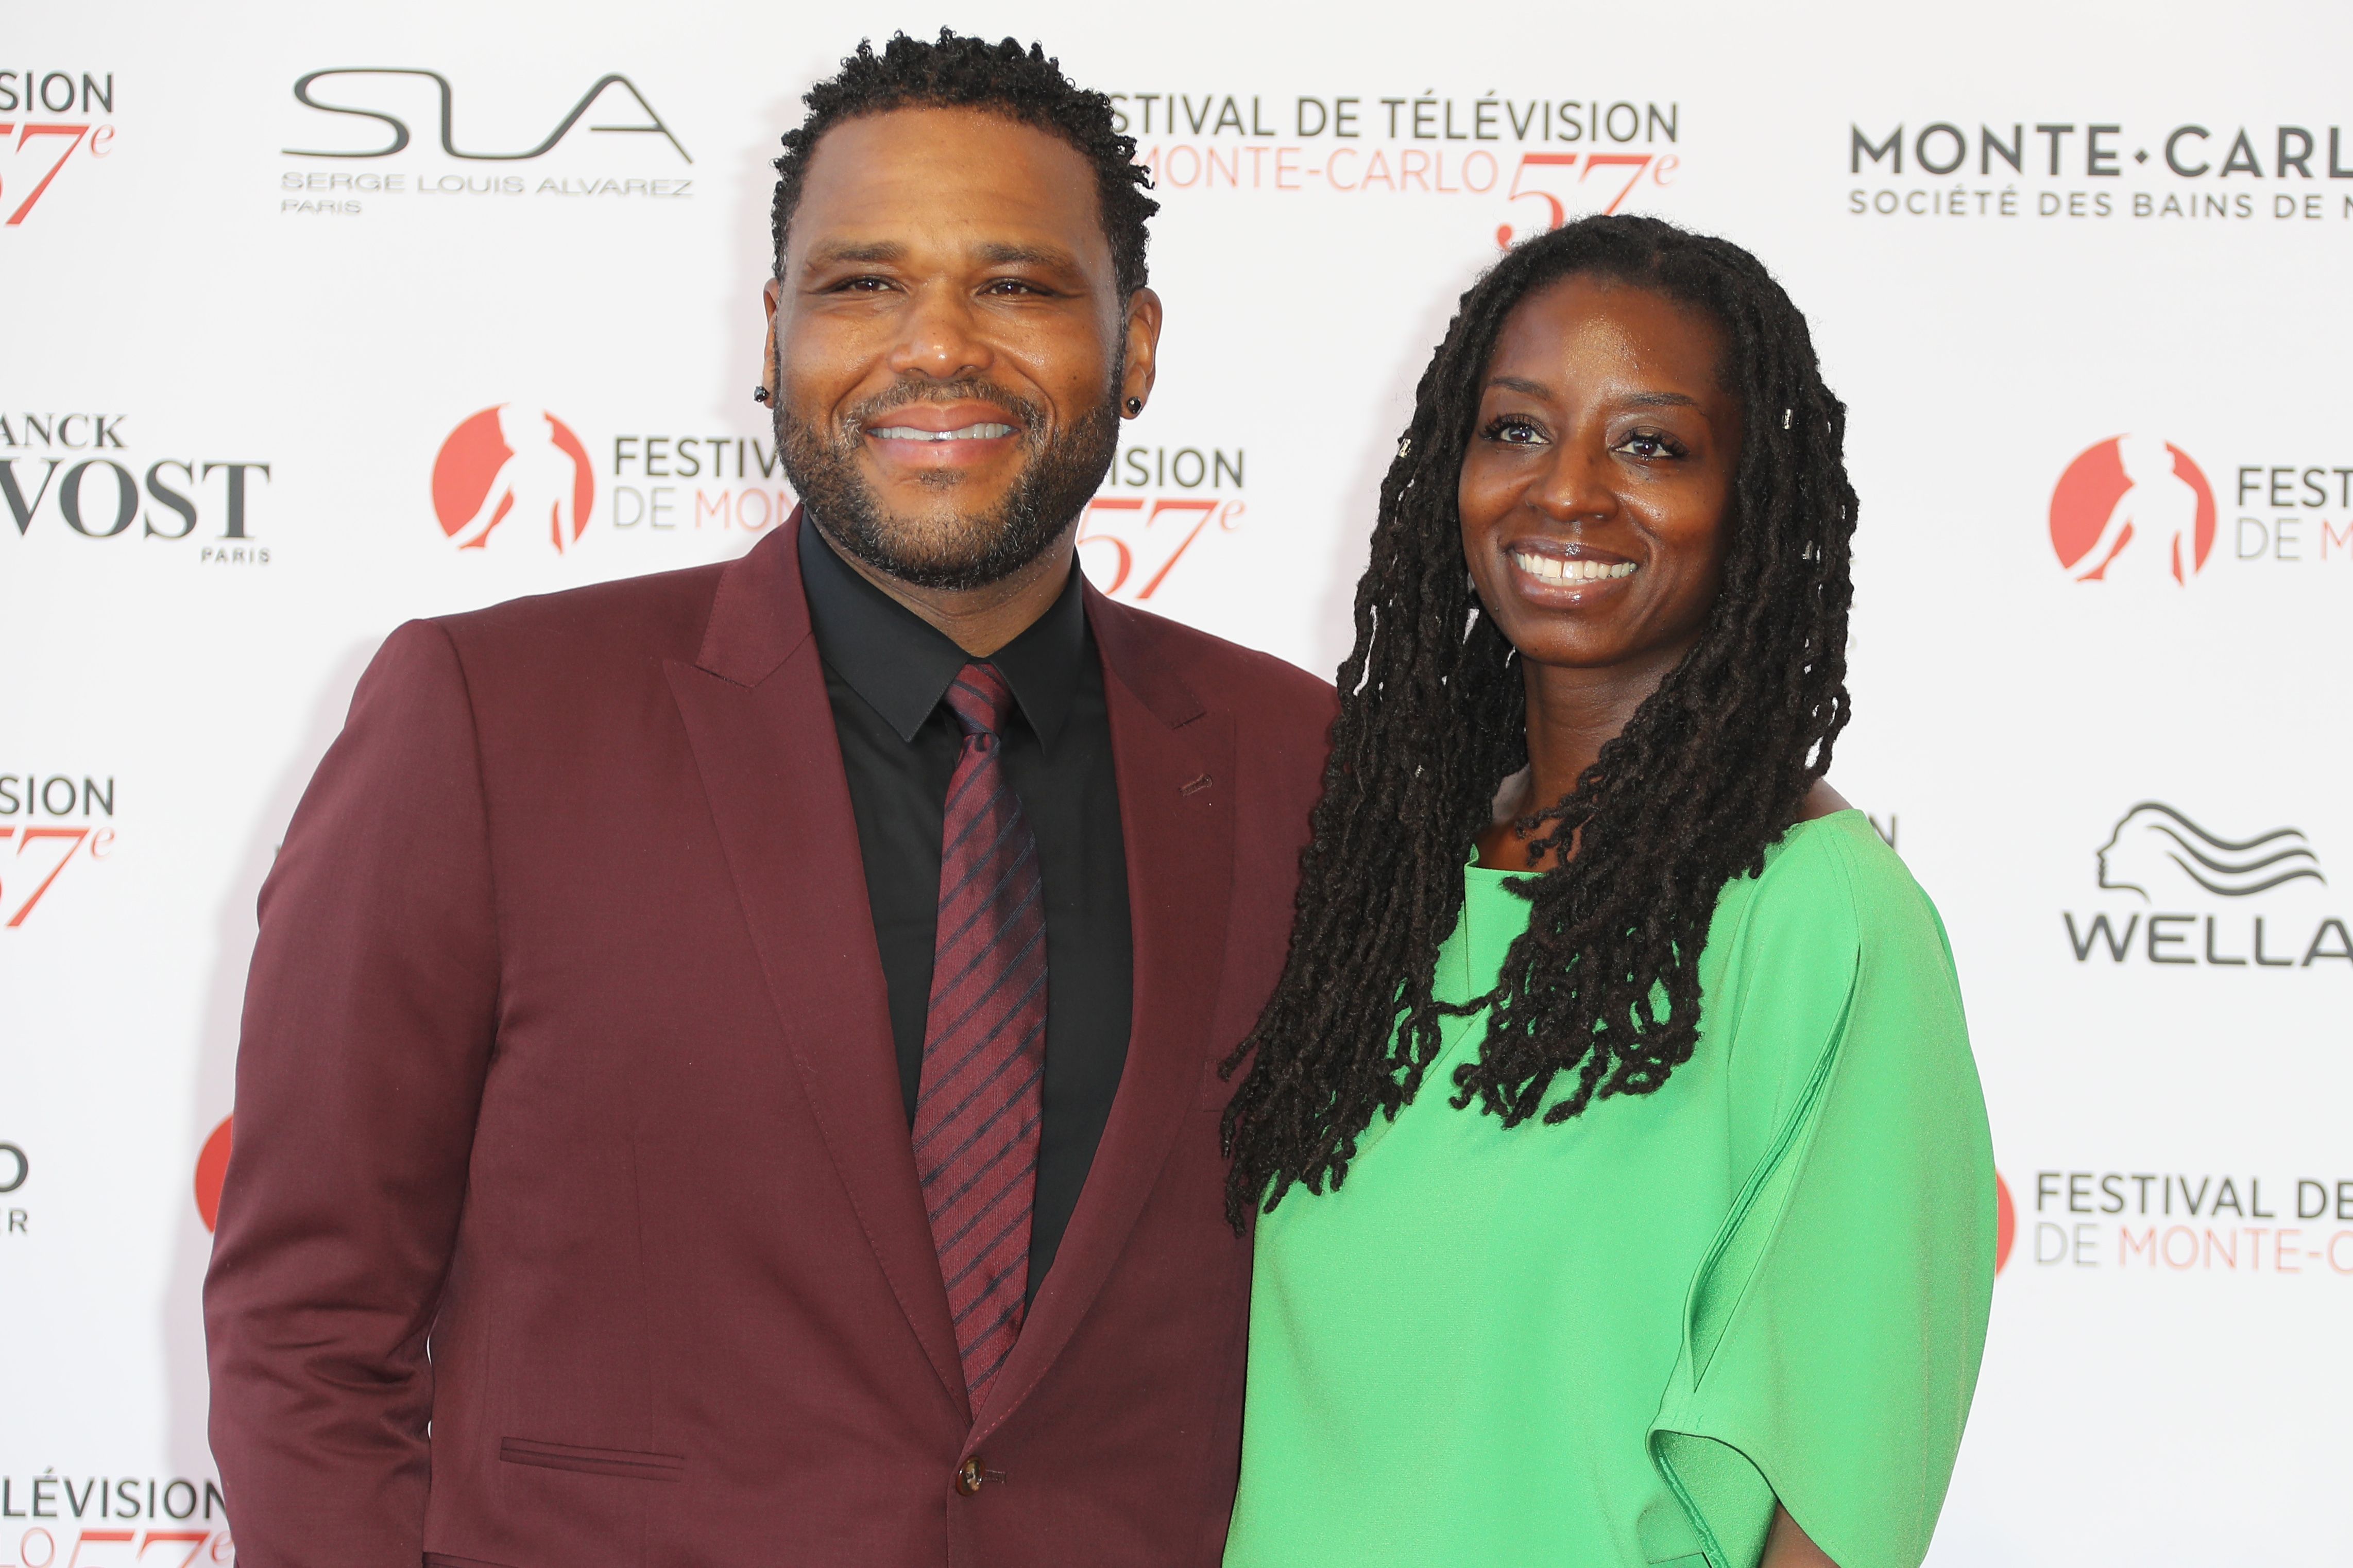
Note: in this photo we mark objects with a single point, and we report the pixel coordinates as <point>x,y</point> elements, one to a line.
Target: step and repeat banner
<point>318,320</point>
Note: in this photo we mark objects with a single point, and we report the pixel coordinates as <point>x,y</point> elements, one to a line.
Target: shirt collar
<point>901,665</point>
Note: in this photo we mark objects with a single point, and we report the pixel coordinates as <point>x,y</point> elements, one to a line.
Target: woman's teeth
<point>1553,569</point>
<point>964,433</point>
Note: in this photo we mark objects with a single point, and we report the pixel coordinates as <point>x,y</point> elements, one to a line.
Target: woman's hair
<point>1712,769</point>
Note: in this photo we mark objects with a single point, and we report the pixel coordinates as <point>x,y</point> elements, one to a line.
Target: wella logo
<point>2157,852</point>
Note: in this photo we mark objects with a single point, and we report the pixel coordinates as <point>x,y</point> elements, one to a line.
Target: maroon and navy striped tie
<point>977,1111</point>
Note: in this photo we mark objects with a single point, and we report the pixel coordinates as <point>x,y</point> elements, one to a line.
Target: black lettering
<point>1858,146</point>
<point>1323,117</point>
<point>1220,468</point>
<point>2174,162</point>
<point>2100,162</point>
<point>126,497</point>
<point>2013,152</point>
<point>2101,932</point>
<point>2053,135</point>
<point>2156,937</point>
<point>1961,148</point>
<point>170,498</point>
<point>2344,948</point>
<point>2242,158</point>
<point>2298,160</point>
<point>18,507</point>
<point>236,493</point>
<point>2319,1208</point>
<point>2108,1184</point>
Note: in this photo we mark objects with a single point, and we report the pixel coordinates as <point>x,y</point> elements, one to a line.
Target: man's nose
<point>939,337</point>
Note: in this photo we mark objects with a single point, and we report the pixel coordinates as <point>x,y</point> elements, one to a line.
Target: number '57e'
<point>35,150</point>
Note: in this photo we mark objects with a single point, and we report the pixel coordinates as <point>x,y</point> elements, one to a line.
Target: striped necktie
<point>977,1112</point>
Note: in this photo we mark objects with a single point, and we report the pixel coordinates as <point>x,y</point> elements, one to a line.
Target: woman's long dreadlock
<point>1710,771</point>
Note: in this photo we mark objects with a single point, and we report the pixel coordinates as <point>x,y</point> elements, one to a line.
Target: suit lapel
<point>761,727</point>
<point>1174,766</point>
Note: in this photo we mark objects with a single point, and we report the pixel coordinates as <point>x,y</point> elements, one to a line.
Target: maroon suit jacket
<point>572,1219</point>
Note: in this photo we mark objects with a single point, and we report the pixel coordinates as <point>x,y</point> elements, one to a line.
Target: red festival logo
<point>2133,508</point>
<point>2005,1218</point>
<point>212,1168</point>
<point>511,460</point>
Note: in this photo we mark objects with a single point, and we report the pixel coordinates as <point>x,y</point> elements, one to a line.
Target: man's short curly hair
<point>1001,78</point>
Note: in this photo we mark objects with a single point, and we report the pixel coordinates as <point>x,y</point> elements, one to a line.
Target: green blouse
<point>1621,1338</point>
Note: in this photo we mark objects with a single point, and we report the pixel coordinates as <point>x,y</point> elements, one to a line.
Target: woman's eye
<point>1511,432</point>
<point>1650,443</point>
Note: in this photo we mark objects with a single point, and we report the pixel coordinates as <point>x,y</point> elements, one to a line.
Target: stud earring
<point>1135,406</point>
<point>759,394</point>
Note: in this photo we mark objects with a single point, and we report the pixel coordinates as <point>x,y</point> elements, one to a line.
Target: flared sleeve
<point>1832,1333</point>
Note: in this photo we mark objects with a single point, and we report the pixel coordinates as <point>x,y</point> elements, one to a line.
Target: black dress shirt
<point>886,671</point>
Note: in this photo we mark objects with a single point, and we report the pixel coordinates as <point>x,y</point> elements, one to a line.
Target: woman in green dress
<point>1622,1183</point>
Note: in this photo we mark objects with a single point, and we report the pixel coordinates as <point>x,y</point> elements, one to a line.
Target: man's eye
<point>1011,286</point>
<point>861,285</point>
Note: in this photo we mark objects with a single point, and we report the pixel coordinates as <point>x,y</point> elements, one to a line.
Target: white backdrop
<point>295,377</point>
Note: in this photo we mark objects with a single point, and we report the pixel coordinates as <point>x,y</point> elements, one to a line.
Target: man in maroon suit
<point>729,1072</point>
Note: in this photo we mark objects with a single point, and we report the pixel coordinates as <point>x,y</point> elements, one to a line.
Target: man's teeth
<point>1553,569</point>
<point>964,433</point>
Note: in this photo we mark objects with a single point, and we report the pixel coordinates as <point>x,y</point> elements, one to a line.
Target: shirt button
<point>969,1475</point>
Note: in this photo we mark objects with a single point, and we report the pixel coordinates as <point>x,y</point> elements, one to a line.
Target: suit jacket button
<point>969,1475</point>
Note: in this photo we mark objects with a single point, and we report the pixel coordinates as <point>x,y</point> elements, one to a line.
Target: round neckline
<point>1496,877</point>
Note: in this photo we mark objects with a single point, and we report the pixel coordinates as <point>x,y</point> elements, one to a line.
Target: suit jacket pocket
<point>624,1462</point>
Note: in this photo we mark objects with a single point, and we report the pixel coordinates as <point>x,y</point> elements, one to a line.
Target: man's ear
<point>1143,331</point>
<point>769,295</point>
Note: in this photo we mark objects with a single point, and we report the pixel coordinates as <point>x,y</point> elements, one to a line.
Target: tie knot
<point>980,699</point>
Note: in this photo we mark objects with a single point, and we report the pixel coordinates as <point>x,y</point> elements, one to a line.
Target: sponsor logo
<point>1158,505</point>
<point>143,1502</point>
<point>48,822</point>
<point>2158,1222</point>
<point>212,1168</point>
<point>64,467</point>
<point>739,484</point>
<point>16,1169</point>
<point>1529,162</point>
<point>2157,856</point>
<point>2158,173</point>
<point>2005,1223</point>
<point>2297,527</point>
<point>511,460</point>
<point>370,111</point>
<point>2152,838</point>
<point>2132,509</point>
<point>48,119</point>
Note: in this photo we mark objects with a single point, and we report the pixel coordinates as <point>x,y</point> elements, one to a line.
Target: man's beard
<point>944,547</point>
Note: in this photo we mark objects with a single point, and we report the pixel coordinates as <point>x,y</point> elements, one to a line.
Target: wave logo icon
<point>2153,841</point>
<point>511,461</point>
<point>2133,508</point>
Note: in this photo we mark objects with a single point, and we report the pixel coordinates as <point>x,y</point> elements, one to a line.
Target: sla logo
<point>2133,508</point>
<point>512,461</point>
<point>2159,857</point>
<point>212,1168</point>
